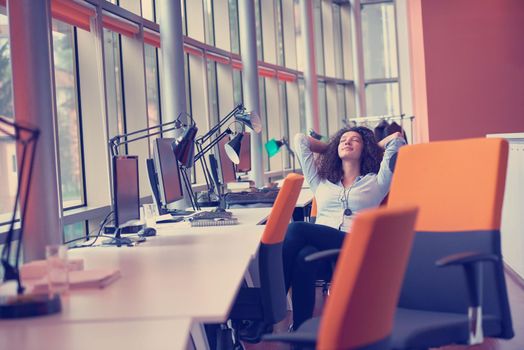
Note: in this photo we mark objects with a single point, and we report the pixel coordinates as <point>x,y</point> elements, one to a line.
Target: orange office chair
<point>313,213</point>
<point>459,188</point>
<point>267,305</point>
<point>366,284</point>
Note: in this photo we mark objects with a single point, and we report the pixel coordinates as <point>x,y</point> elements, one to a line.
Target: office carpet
<point>516,299</point>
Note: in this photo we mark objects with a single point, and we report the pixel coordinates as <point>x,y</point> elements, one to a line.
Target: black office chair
<point>256,310</point>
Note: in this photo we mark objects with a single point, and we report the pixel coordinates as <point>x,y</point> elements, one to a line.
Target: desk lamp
<point>183,146</point>
<point>273,147</point>
<point>240,114</point>
<point>22,305</point>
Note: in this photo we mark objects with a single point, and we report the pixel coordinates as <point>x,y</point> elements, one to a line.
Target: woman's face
<point>350,146</point>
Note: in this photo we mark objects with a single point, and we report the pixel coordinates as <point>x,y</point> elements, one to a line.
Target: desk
<point>129,335</point>
<point>181,233</point>
<point>183,273</point>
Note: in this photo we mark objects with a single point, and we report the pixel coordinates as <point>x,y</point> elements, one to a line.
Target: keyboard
<point>262,196</point>
<point>211,215</point>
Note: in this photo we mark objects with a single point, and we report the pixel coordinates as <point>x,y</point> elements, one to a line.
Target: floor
<point>516,299</point>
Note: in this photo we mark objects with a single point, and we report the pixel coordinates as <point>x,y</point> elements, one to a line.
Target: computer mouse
<point>148,232</point>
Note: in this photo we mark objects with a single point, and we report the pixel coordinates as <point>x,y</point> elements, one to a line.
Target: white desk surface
<point>188,273</point>
<point>130,335</point>
<point>182,233</point>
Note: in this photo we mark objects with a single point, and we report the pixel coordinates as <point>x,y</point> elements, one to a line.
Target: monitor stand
<point>120,241</point>
<point>175,212</point>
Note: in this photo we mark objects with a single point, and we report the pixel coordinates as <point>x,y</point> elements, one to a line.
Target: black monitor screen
<point>226,165</point>
<point>166,165</point>
<point>245,153</point>
<point>125,186</point>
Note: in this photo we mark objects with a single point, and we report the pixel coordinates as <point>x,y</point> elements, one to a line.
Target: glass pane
<point>322,109</point>
<point>337,39</point>
<point>282,91</point>
<point>263,117</point>
<point>319,42</point>
<point>258,27</point>
<point>67,115</point>
<point>148,11</point>
<point>379,41</point>
<point>280,34</point>
<point>298,36</point>
<point>341,103</point>
<point>233,26</point>
<point>8,172</point>
<point>208,18</point>
<point>74,231</point>
<point>383,99</point>
<point>212,92</point>
<point>302,105</point>
<point>237,86</point>
<point>153,95</point>
<point>115,109</point>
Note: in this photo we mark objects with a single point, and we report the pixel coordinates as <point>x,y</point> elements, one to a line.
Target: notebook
<point>95,278</point>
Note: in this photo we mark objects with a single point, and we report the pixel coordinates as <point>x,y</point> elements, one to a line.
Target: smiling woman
<point>351,173</point>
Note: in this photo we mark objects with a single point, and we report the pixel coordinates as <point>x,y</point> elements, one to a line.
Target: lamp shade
<point>233,148</point>
<point>251,120</point>
<point>273,146</point>
<point>184,147</point>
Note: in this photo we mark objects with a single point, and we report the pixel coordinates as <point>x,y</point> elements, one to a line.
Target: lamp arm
<point>123,139</point>
<point>206,149</point>
<point>290,151</point>
<point>221,123</point>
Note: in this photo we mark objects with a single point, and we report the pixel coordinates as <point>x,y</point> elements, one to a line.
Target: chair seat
<point>423,329</point>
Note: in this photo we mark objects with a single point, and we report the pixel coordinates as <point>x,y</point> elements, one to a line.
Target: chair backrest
<point>458,187</point>
<point>314,210</point>
<point>367,280</point>
<point>270,252</point>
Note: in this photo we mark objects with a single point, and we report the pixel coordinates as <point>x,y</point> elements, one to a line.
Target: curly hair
<point>329,164</point>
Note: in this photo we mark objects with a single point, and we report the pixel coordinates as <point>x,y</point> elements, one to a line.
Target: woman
<point>352,173</point>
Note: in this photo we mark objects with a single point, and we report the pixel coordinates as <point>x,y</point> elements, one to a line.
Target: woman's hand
<point>317,146</point>
<point>388,138</point>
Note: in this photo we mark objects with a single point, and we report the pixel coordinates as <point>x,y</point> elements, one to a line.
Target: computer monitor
<point>245,153</point>
<point>168,173</point>
<point>126,194</point>
<point>227,167</point>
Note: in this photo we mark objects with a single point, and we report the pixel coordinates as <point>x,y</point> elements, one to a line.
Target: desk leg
<point>198,336</point>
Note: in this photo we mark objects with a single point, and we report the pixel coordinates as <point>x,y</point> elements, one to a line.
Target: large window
<point>380,58</point>
<point>8,165</point>
<point>67,104</point>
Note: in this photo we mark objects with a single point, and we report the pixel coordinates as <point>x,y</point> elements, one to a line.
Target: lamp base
<point>21,306</point>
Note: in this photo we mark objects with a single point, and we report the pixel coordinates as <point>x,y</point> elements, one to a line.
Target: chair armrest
<point>298,338</point>
<point>329,253</point>
<point>465,258</point>
<point>472,264</point>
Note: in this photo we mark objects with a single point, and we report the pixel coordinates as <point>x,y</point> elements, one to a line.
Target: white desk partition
<point>129,335</point>
<point>512,226</point>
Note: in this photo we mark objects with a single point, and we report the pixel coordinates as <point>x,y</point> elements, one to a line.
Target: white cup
<point>57,269</point>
